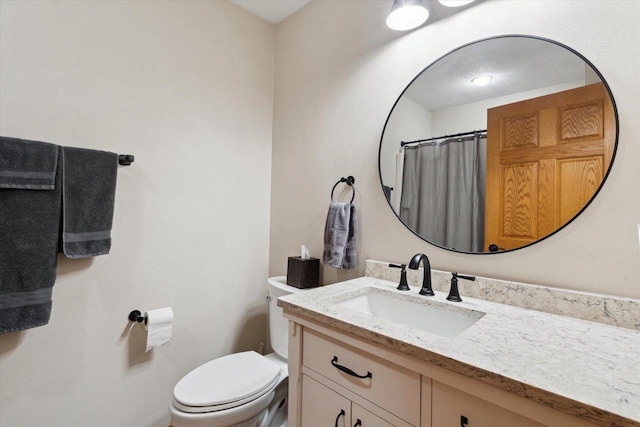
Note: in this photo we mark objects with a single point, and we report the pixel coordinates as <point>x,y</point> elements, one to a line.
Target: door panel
<point>519,200</point>
<point>582,121</point>
<point>579,179</point>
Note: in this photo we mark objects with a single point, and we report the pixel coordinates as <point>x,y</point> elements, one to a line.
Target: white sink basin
<point>417,312</point>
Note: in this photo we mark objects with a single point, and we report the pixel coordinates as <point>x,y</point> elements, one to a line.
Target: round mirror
<point>498,144</point>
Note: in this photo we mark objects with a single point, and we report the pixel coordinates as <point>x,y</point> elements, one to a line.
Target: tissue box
<point>303,273</point>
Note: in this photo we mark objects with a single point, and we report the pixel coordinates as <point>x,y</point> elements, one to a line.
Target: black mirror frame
<point>604,178</point>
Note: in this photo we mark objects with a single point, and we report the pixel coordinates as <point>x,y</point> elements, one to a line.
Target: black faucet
<point>403,286</point>
<point>453,292</point>
<point>426,281</point>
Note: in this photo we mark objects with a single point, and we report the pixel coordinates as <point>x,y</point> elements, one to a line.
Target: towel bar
<point>125,159</point>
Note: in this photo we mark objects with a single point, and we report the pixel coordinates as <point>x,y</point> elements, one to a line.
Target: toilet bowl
<point>242,389</point>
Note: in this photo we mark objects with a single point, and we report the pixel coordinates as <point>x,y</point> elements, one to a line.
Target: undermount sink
<point>430,316</point>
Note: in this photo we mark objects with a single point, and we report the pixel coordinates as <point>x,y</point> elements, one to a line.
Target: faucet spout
<point>426,280</point>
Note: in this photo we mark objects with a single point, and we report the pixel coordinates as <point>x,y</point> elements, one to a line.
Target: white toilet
<point>242,389</point>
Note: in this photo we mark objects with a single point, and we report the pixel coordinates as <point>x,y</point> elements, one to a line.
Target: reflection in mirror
<point>497,166</point>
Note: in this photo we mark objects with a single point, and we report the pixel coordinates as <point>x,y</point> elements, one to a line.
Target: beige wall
<point>338,72</point>
<point>187,87</point>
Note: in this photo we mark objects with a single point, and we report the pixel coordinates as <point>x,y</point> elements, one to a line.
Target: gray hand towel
<point>89,185</point>
<point>29,229</point>
<point>350,259</point>
<point>340,236</point>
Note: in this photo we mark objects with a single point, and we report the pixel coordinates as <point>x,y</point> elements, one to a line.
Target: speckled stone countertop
<point>601,308</point>
<point>583,368</point>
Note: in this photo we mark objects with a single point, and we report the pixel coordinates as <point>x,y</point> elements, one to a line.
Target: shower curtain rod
<point>403,143</point>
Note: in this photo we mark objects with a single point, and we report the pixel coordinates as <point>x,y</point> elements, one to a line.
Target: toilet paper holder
<point>136,316</point>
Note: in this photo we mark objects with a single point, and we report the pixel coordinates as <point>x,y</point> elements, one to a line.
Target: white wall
<point>473,116</point>
<point>187,87</point>
<point>331,106</point>
<point>409,122</point>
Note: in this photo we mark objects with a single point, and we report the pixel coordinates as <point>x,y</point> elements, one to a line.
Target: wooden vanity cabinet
<point>401,391</point>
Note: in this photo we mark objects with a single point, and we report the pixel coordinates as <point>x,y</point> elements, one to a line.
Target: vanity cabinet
<point>331,372</point>
<point>322,406</point>
<point>451,407</point>
<point>376,391</point>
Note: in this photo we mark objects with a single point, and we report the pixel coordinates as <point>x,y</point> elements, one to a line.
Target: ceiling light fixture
<point>407,15</point>
<point>481,80</point>
<point>455,3</point>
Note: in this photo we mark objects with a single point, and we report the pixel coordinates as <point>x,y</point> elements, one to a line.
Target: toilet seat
<point>226,382</point>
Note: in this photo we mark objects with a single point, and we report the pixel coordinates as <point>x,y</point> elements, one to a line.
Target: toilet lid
<point>228,379</point>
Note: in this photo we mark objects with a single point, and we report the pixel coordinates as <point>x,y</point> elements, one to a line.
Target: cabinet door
<point>323,407</point>
<point>360,417</point>
<point>449,406</point>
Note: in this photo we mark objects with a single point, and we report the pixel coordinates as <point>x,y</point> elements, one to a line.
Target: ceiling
<point>273,11</point>
<point>517,64</point>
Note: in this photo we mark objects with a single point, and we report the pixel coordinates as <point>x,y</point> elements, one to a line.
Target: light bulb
<point>481,80</point>
<point>406,15</point>
<point>455,3</point>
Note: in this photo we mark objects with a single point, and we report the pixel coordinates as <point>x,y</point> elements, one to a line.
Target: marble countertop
<point>586,369</point>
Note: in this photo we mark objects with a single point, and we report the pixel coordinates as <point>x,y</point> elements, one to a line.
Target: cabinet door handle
<point>358,423</point>
<point>341,414</point>
<point>463,421</point>
<point>348,371</point>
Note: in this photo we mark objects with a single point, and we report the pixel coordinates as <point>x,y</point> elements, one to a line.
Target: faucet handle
<point>460,276</point>
<point>454,295</point>
<point>403,286</point>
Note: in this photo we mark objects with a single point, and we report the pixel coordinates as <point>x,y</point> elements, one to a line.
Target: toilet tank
<point>278,324</point>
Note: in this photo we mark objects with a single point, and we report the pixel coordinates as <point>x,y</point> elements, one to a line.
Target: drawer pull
<point>339,415</point>
<point>358,423</point>
<point>348,371</point>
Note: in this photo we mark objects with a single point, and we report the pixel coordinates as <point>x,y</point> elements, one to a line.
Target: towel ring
<point>349,181</point>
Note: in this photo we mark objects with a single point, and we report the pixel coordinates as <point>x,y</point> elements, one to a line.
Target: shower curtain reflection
<point>443,192</point>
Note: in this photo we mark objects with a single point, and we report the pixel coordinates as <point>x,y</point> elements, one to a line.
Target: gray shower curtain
<point>443,192</point>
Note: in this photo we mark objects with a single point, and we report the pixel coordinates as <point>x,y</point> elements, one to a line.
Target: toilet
<point>242,389</point>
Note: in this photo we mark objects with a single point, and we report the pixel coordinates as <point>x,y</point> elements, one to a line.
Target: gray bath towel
<point>89,185</point>
<point>27,165</point>
<point>29,229</point>
<point>340,236</point>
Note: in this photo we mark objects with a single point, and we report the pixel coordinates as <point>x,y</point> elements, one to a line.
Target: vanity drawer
<point>390,386</point>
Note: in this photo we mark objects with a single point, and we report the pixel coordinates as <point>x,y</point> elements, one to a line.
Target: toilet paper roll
<point>159,324</point>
